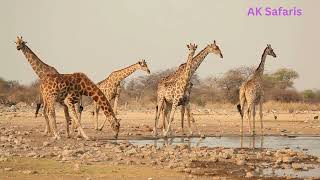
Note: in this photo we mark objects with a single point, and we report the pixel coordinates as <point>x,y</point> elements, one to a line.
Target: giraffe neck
<point>186,75</point>
<point>260,69</point>
<point>39,67</point>
<point>120,75</point>
<point>198,59</point>
<point>88,88</point>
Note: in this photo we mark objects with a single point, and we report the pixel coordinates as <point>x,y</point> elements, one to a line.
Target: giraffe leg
<point>68,102</point>
<point>189,118</point>
<point>253,120</point>
<point>173,110</point>
<point>115,104</point>
<point>79,111</point>
<point>67,118</point>
<point>242,104</point>
<point>39,102</point>
<point>261,115</point>
<point>47,130</point>
<point>183,110</point>
<point>158,111</point>
<point>52,115</point>
<point>96,113</point>
<point>249,110</point>
<point>165,116</point>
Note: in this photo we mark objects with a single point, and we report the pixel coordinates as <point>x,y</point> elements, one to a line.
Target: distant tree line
<point>213,89</point>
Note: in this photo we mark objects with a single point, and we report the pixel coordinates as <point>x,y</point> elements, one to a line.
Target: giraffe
<point>251,93</point>
<point>111,85</point>
<point>163,88</point>
<point>41,69</point>
<point>67,89</point>
<point>195,63</point>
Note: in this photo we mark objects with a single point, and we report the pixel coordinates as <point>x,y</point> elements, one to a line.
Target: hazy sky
<point>99,36</point>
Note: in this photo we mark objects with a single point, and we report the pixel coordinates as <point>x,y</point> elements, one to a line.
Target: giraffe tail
<point>239,109</point>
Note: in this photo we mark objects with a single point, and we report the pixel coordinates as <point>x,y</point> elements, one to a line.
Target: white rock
<point>8,169</point>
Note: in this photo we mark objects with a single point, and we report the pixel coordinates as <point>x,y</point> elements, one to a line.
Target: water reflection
<point>309,144</point>
<point>252,141</point>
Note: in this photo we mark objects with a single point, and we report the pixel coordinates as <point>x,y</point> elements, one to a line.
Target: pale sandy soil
<point>220,123</point>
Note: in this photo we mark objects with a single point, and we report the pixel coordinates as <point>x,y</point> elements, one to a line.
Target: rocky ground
<point>25,153</point>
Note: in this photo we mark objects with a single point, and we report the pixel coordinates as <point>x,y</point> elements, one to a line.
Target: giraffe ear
<point>214,42</point>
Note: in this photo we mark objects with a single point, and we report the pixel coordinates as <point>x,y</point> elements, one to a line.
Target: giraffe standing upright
<point>251,92</point>
<point>67,89</point>
<point>111,85</point>
<point>195,63</point>
<point>39,67</point>
<point>178,89</point>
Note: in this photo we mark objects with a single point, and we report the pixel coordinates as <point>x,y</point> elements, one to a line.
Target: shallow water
<point>310,145</point>
<point>269,172</point>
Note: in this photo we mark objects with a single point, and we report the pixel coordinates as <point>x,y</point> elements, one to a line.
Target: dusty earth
<point>25,153</point>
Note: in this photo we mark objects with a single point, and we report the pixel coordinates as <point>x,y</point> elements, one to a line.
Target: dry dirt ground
<point>25,153</point>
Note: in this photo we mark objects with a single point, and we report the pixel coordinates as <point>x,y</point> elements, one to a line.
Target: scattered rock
<point>241,162</point>
<point>3,159</point>
<point>249,174</point>
<point>29,172</point>
<point>45,144</point>
<point>31,154</point>
<point>76,167</point>
<point>8,169</point>
<point>297,166</point>
<point>131,152</point>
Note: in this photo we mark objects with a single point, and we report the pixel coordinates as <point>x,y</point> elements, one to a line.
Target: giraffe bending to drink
<point>67,89</point>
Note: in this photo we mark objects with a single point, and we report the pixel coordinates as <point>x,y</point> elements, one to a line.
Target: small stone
<point>150,178</point>
<point>287,159</point>
<point>131,152</point>
<point>249,174</point>
<point>241,162</point>
<point>76,167</point>
<point>3,159</point>
<point>268,153</point>
<point>8,169</point>
<point>29,172</point>
<point>45,144</point>
<point>187,170</point>
<point>297,166</point>
<point>31,154</point>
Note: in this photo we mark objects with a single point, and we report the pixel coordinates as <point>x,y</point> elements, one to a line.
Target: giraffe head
<point>270,51</point>
<point>214,48</point>
<point>115,126</point>
<point>20,43</point>
<point>143,66</point>
<point>192,47</point>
